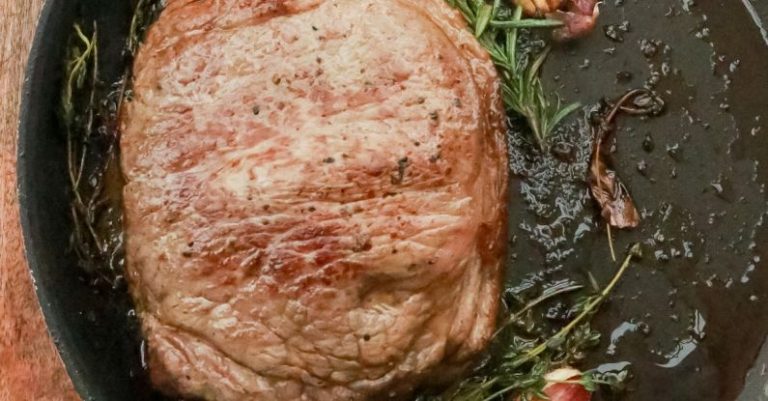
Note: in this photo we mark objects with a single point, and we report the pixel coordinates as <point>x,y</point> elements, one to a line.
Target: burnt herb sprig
<point>526,359</point>
<point>145,13</point>
<point>497,27</point>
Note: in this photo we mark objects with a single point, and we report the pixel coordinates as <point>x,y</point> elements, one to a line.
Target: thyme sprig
<point>88,111</point>
<point>497,27</point>
<point>145,13</point>
<point>525,359</point>
<point>80,112</point>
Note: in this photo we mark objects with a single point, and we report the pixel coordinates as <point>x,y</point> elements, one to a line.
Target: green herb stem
<point>590,307</point>
<point>88,115</point>
<point>526,24</point>
<point>547,295</point>
<point>587,311</point>
<point>496,27</point>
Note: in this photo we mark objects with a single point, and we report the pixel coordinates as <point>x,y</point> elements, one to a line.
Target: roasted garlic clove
<point>563,385</point>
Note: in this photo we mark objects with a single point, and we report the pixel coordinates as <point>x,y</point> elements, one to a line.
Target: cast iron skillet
<point>94,332</point>
<point>97,336</point>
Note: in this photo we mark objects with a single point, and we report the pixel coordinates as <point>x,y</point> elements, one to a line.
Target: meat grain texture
<point>315,199</point>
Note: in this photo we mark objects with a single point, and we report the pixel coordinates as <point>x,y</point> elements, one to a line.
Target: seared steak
<point>315,198</point>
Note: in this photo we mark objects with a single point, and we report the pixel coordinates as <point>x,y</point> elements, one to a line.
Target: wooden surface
<point>30,368</point>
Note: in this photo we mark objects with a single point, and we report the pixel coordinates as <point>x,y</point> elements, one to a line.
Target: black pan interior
<point>692,315</point>
<point>708,162</point>
<point>93,327</point>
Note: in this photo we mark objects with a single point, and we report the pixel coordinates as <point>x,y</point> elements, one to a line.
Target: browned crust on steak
<point>316,197</point>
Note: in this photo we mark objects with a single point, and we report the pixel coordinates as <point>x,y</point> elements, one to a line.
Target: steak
<point>315,198</point>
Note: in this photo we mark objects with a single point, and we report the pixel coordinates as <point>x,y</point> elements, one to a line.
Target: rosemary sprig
<point>524,361</point>
<point>497,27</point>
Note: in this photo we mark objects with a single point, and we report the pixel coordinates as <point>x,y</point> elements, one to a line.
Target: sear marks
<point>316,198</point>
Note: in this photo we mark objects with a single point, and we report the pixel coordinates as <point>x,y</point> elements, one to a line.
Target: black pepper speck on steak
<point>315,199</point>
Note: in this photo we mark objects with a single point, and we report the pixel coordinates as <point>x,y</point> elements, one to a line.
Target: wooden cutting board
<point>30,368</point>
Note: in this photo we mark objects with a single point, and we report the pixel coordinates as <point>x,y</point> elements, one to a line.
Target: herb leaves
<point>525,354</point>
<point>497,28</point>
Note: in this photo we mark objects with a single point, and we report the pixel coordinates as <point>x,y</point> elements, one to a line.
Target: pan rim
<point>27,124</point>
